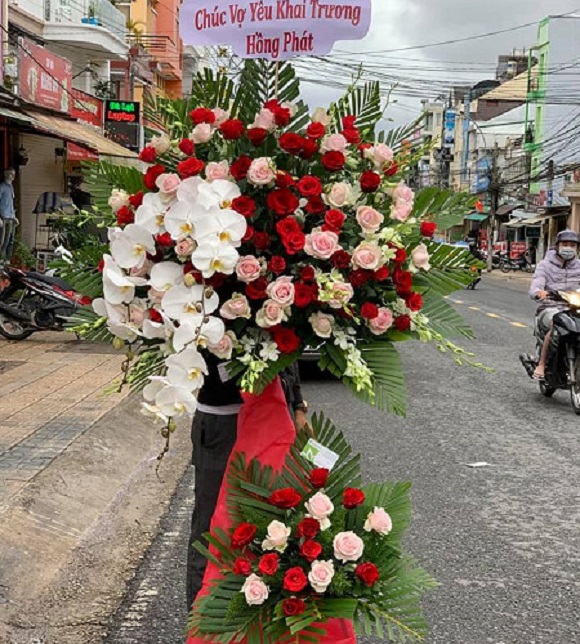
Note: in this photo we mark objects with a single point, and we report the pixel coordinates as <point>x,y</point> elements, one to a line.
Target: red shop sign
<point>88,109</point>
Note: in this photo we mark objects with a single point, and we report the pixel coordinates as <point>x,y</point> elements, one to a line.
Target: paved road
<point>502,540</point>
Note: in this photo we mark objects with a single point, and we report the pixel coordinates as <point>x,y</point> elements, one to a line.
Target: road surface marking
<point>519,325</point>
<point>494,315</point>
<point>474,308</point>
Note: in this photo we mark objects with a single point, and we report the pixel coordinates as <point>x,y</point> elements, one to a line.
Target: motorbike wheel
<point>546,391</point>
<point>504,267</point>
<point>13,330</point>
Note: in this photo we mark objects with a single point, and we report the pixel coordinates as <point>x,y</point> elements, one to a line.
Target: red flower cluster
<point>243,535</point>
<point>286,498</point>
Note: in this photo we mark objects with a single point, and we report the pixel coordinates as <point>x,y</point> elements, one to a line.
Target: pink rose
<point>380,154</point>
<point>220,115</point>
<point>261,172</point>
<point>168,184</point>
<point>215,171</point>
<point>224,348</point>
<point>255,591</point>
<point>142,271</point>
<point>382,323</point>
<point>320,507</point>
<point>401,211</point>
<point>237,307</point>
<point>321,116</point>
<point>277,537</point>
<point>420,257</point>
<point>403,193</point>
<point>201,133</point>
<point>322,324</point>
<point>367,256</point>
<point>340,195</point>
<point>248,269</point>
<point>185,247</point>
<point>369,219</point>
<point>118,199</point>
<point>160,144</point>
<point>265,120</point>
<point>379,521</point>
<point>321,244</point>
<point>137,310</point>
<point>342,293</point>
<point>282,291</point>
<point>334,143</point>
<point>348,546</point>
<point>320,575</point>
<point>271,314</point>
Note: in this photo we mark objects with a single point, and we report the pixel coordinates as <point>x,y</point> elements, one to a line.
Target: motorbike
<point>520,263</point>
<point>32,302</point>
<point>563,364</point>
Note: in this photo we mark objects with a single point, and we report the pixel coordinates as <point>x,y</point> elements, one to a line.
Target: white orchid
<point>226,226</point>
<point>131,245</point>
<point>182,218</point>
<point>151,213</point>
<point>188,190</point>
<point>154,330</point>
<point>183,303</point>
<point>186,369</point>
<point>165,275</point>
<point>117,319</point>
<point>219,193</point>
<point>118,288</point>
<point>174,401</point>
<point>208,331</point>
<point>212,256</point>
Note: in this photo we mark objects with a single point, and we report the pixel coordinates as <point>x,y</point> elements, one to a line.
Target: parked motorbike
<point>31,302</point>
<point>520,263</point>
<point>563,364</point>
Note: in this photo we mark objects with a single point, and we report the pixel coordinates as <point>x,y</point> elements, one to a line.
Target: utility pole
<point>494,192</point>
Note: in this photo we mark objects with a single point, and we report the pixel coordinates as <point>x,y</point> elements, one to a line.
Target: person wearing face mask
<point>8,221</point>
<point>559,271</point>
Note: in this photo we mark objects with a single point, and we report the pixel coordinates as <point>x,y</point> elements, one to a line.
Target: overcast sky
<point>404,23</point>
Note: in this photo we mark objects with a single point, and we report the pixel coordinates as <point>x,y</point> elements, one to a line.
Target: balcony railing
<point>163,49</point>
<point>100,13</point>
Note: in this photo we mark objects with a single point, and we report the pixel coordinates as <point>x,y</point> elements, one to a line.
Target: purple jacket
<point>552,274</point>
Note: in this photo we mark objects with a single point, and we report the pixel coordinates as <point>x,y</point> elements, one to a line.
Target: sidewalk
<point>519,279</point>
<point>79,497</point>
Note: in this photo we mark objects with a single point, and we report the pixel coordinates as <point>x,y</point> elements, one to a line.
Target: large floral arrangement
<point>256,231</point>
<point>307,545</point>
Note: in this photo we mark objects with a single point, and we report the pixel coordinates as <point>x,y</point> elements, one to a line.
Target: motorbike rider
<point>559,271</point>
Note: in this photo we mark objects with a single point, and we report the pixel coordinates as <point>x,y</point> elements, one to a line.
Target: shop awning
<point>535,221</point>
<point>76,132</point>
<point>14,115</point>
<point>476,216</point>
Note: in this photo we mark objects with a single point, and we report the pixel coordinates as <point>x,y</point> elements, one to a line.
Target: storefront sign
<point>88,109</point>
<point>122,123</point>
<point>274,29</point>
<point>449,131</point>
<point>45,78</point>
<point>517,248</point>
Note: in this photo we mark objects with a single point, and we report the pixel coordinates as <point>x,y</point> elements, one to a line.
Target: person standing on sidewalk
<point>213,435</point>
<point>8,221</point>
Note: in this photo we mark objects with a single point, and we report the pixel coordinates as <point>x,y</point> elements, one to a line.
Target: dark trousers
<point>213,439</point>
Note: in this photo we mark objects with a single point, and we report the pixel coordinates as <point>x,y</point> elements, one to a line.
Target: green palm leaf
<point>443,318</point>
<point>364,103</point>
<point>445,207</point>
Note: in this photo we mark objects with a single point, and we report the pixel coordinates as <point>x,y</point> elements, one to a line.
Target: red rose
<point>335,218</point>
<point>282,201</point>
<point>101,265</point>
<point>309,149</point>
<point>293,606</point>
<point>125,216</point>
<point>414,301</point>
<point>315,131</point>
<point>232,129</point>
<point>256,290</point>
<point>243,535</point>
<point>271,104</point>
<point>277,264</point>
<point>257,135</point>
<point>401,255</point>
<point>246,206</point>
<point>202,115</point>
<point>319,477</point>
<point>249,233</point>
<point>315,206</point>
<point>190,167</point>
<point>333,161</point>
<point>368,573</point>
<point>370,181</point>
<point>287,226</point>
<point>428,228</point>
<point>286,498</point>
<point>330,229</point>
<point>302,295</point>
<point>310,550</point>
<point>286,340</point>
<point>217,280</point>
<point>284,179</point>
<point>148,154</point>
<point>164,240</point>
<point>261,240</point>
<point>239,168</point>
<point>307,273</point>
<point>269,564</point>
<point>348,122</point>
<point>150,176</point>
<point>136,200</point>
<point>308,528</point>
<point>403,281</point>
<point>291,143</point>
<point>392,170</point>
<point>340,259</point>
<point>362,147</point>
<point>359,277</point>
<point>352,498</point>
<point>282,116</point>
<point>382,274</point>
<point>187,146</point>
<point>242,567</point>
<point>294,242</point>
<point>295,580</point>
<point>369,311</point>
<point>403,323</point>
<point>310,186</point>
<point>352,135</point>
<point>155,316</point>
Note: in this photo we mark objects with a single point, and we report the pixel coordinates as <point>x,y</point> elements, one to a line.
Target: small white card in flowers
<point>320,455</point>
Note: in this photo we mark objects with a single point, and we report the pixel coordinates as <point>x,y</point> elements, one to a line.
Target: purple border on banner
<point>274,29</point>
